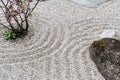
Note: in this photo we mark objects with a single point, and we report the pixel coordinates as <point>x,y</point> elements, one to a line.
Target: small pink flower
<point>14,12</point>
<point>30,0</point>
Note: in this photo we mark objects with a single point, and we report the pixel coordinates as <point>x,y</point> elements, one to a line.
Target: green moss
<point>14,34</point>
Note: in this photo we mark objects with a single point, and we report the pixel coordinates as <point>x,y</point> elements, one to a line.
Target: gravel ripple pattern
<point>57,46</point>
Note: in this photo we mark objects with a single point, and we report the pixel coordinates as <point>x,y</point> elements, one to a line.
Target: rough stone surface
<point>106,55</point>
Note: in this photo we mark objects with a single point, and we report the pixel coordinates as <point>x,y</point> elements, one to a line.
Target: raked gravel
<point>57,46</point>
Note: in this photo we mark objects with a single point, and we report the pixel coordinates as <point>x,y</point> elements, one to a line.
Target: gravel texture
<point>58,46</point>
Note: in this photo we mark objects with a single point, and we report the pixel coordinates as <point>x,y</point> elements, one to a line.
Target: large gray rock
<point>89,3</point>
<point>106,55</point>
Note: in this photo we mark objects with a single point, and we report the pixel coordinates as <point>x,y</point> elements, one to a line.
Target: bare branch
<point>5,26</point>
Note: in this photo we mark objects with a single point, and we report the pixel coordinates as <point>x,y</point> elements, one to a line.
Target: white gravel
<point>62,32</point>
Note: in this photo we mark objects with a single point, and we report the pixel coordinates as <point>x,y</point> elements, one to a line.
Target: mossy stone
<point>105,53</point>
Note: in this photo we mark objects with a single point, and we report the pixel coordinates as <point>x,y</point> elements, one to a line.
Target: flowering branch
<point>17,12</point>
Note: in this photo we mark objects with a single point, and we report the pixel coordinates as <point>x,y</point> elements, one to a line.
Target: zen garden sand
<point>57,46</point>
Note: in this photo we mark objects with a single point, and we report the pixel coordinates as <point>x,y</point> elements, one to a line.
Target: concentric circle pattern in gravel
<point>57,46</point>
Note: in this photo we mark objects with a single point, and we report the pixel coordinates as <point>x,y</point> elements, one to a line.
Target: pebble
<point>108,34</point>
